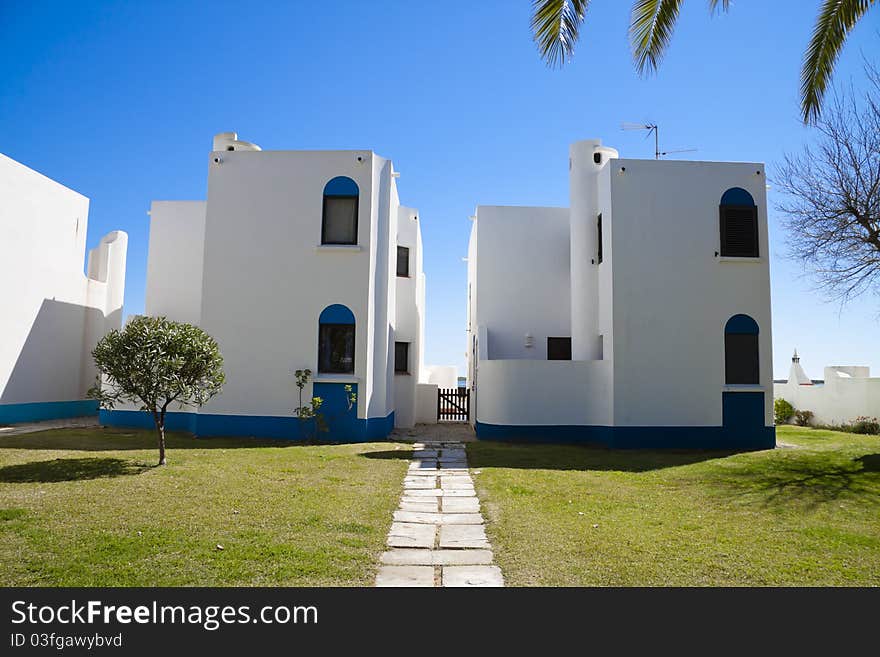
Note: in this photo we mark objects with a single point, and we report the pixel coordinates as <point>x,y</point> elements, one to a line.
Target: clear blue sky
<point>119,101</point>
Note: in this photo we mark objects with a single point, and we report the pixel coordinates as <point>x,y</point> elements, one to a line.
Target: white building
<point>846,393</point>
<point>297,259</point>
<point>53,312</point>
<point>637,317</point>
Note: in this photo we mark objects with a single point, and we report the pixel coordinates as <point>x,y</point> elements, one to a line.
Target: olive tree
<point>154,362</point>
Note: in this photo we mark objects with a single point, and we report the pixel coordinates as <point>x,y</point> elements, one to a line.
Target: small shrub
<point>803,418</point>
<point>782,411</point>
<point>866,425</point>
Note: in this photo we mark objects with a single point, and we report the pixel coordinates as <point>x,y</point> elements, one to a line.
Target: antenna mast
<point>650,127</point>
<point>653,127</point>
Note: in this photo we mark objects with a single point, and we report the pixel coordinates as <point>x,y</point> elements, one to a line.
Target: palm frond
<point>556,27</point>
<point>650,31</point>
<point>836,19</point>
<point>713,5</point>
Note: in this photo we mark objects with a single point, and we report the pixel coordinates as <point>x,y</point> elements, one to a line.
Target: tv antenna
<point>653,127</point>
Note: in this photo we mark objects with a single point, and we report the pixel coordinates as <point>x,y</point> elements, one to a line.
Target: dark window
<point>599,238</point>
<point>339,222</point>
<point>739,224</point>
<point>402,261</point>
<point>739,231</point>
<point>336,348</point>
<point>741,358</point>
<point>741,351</point>
<point>401,357</point>
<point>558,348</point>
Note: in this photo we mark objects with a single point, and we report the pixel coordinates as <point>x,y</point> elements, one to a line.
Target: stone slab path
<point>437,537</point>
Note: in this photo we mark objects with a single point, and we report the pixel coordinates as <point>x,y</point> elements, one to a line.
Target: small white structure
<point>53,313</point>
<point>296,260</point>
<point>846,393</point>
<point>637,317</point>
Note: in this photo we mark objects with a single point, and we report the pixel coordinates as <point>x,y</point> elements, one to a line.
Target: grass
<point>581,516</point>
<point>87,507</point>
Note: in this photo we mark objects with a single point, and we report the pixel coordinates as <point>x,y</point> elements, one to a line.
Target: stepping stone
<point>420,482</point>
<point>456,482</point>
<point>427,464</point>
<point>457,492</point>
<point>472,576</point>
<point>415,516</point>
<point>423,472</point>
<point>421,505</point>
<point>459,518</point>
<point>410,534</point>
<point>463,536</point>
<point>461,505</point>
<point>462,557</point>
<point>405,576</point>
<point>422,454</point>
<point>423,492</point>
<point>409,557</point>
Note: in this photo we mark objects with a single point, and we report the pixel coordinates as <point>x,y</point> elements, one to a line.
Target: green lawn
<point>86,507</point>
<point>578,516</point>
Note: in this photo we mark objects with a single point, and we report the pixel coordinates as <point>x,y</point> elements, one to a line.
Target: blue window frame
<point>339,218</point>
<point>741,365</point>
<point>739,224</point>
<point>336,335</point>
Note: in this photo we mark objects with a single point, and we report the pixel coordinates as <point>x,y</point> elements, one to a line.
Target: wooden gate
<point>453,405</point>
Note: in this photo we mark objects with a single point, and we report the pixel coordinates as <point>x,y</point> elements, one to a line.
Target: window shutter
<point>739,231</point>
<point>401,357</point>
<point>402,261</point>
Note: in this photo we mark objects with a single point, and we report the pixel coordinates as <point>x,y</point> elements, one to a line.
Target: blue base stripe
<point>635,437</point>
<point>39,411</point>
<point>205,425</point>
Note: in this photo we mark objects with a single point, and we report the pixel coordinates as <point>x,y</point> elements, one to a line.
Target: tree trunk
<point>160,429</point>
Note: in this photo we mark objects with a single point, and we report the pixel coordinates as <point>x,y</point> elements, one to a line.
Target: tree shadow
<point>531,456</point>
<point>69,470</point>
<point>112,439</point>
<point>870,462</point>
<point>808,481</point>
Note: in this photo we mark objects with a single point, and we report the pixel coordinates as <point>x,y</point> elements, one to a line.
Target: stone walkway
<point>437,537</point>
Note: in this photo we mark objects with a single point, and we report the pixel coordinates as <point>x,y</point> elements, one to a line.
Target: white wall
<point>522,279</point>
<point>175,260</point>
<point>53,314</point>
<point>838,400</point>
<point>267,278</point>
<point>584,195</point>
<point>443,376</point>
<point>549,392</point>
<point>409,316</point>
<point>426,403</point>
<point>673,296</point>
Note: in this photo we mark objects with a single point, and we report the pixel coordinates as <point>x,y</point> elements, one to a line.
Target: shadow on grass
<point>103,439</point>
<point>530,456</point>
<point>870,462</point>
<point>69,470</point>
<point>807,481</point>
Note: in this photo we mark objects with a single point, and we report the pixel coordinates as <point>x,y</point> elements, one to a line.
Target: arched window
<point>339,223</point>
<point>739,224</point>
<point>336,340</point>
<point>741,351</point>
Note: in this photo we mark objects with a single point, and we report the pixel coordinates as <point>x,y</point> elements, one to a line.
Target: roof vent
<point>229,141</point>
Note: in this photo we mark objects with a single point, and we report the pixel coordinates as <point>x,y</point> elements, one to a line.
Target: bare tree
<point>831,204</point>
